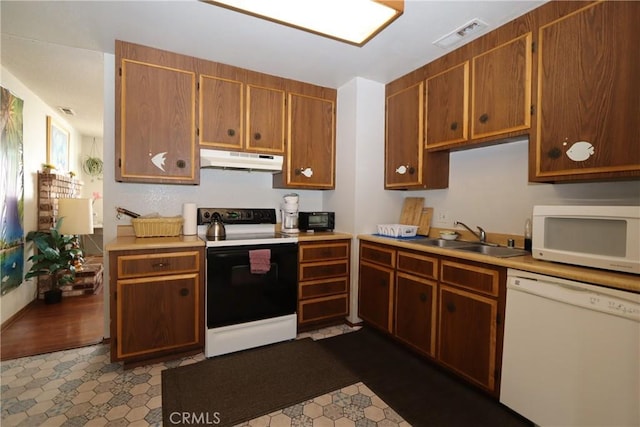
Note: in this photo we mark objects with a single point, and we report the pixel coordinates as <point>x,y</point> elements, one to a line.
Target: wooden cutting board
<point>411,210</point>
<point>425,221</point>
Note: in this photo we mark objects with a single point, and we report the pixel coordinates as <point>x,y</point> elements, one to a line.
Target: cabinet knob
<point>257,136</point>
<point>423,296</point>
<point>454,125</point>
<point>484,118</point>
<point>181,164</point>
<point>554,153</point>
<point>184,292</point>
<point>401,170</point>
<point>382,282</point>
<point>451,307</point>
<point>231,132</point>
<point>160,264</point>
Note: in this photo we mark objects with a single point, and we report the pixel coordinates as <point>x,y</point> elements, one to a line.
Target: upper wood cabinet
<point>588,95</point>
<point>155,116</point>
<point>236,115</point>
<point>310,156</point>
<point>447,107</point>
<point>501,89</point>
<point>407,165</point>
<point>486,97</point>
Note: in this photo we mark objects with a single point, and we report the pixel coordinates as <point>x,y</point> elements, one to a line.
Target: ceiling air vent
<point>472,27</point>
<point>68,111</point>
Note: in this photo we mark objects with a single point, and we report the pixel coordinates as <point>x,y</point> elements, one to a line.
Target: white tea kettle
<point>216,229</point>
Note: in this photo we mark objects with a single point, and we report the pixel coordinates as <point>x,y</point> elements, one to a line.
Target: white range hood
<point>221,159</point>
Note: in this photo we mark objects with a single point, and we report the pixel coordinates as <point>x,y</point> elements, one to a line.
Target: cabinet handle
<point>257,136</point>
<point>308,172</point>
<point>160,264</point>
<point>412,170</point>
<point>484,118</point>
<point>382,282</point>
<point>231,132</point>
<point>451,307</point>
<point>454,125</point>
<point>181,164</point>
<point>184,292</point>
<point>423,296</point>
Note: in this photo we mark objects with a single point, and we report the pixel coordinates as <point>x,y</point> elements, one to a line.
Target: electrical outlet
<point>442,219</point>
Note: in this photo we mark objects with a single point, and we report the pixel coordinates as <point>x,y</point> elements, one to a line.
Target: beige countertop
<point>624,281</point>
<point>128,243</point>
<point>323,235</point>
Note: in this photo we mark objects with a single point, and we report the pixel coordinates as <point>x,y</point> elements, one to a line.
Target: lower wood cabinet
<point>376,284</point>
<point>446,309</point>
<point>415,301</point>
<point>323,285</point>
<point>415,309</point>
<point>157,303</point>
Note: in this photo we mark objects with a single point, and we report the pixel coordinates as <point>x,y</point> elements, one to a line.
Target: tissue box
<point>397,230</point>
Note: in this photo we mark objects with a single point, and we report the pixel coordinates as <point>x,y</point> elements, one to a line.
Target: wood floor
<point>76,322</point>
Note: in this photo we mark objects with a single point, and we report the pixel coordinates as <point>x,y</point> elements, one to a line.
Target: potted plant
<point>54,258</point>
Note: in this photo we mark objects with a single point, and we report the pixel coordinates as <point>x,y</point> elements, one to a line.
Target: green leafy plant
<point>92,166</point>
<point>54,257</point>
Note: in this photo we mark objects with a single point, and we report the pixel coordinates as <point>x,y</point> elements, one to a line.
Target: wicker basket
<point>157,227</point>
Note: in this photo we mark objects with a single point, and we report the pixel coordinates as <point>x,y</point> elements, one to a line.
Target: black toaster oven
<point>316,221</point>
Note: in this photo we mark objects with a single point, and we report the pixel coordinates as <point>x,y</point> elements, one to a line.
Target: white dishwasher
<point>571,352</point>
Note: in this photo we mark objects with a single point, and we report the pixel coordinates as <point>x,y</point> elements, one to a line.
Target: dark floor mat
<point>421,393</point>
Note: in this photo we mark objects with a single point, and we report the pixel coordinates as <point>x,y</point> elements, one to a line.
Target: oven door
<point>236,295</point>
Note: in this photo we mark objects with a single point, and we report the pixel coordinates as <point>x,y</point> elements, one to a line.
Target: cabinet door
<point>375,295</point>
<point>467,335</point>
<point>155,124</point>
<point>311,150</point>
<point>447,107</point>
<point>588,94</point>
<point>221,112</point>
<point>501,89</point>
<point>404,138</point>
<point>415,311</point>
<point>157,314</point>
<point>265,120</point>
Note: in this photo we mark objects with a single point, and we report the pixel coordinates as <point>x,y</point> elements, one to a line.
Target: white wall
<point>35,112</point>
<point>359,200</point>
<point>489,187</point>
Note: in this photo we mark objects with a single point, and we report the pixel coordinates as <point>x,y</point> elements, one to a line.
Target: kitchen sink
<point>442,243</point>
<point>485,249</point>
<point>496,251</point>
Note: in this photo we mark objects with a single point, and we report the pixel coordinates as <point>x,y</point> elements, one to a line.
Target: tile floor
<point>82,388</point>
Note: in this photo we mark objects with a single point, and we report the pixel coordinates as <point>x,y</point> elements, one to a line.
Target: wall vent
<point>68,111</point>
<point>475,27</point>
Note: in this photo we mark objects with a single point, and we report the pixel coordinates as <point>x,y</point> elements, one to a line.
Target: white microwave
<point>605,237</point>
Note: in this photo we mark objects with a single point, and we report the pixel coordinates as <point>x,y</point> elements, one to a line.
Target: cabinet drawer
<point>319,288</point>
<point>323,308</point>
<point>152,264</point>
<point>420,265</point>
<point>319,270</point>
<point>378,254</point>
<point>323,251</point>
<point>473,277</point>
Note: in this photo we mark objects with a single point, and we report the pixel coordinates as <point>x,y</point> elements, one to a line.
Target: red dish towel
<point>260,261</point>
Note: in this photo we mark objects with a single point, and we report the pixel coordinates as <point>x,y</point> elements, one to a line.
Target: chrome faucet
<point>481,235</point>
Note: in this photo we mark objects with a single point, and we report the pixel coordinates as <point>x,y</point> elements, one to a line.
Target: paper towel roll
<point>189,213</point>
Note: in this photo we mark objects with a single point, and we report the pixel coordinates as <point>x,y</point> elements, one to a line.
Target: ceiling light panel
<point>353,21</point>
